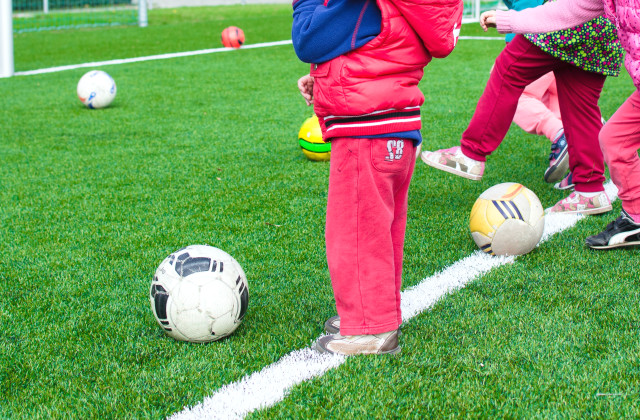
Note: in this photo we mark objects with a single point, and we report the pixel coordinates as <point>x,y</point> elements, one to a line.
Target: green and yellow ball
<point>310,139</point>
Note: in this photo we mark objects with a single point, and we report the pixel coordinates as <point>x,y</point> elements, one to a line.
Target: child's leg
<point>519,64</point>
<point>366,216</point>
<point>398,229</point>
<point>550,98</point>
<point>620,141</point>
<point>578,94</point>
<point>534,114</point>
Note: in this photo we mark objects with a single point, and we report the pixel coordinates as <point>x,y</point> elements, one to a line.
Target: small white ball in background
<point>96,89</point>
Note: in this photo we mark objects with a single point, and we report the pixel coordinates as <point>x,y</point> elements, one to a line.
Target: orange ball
<point>232,37</point>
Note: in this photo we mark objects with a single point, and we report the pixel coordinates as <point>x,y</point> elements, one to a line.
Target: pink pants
<point>538,110</point>
<point>620,141</point>
<point>366,219</point>
<point>519,64</point>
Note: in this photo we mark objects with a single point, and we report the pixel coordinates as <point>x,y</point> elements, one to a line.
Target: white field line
<point>147,58</point>
<point>175,55</point>
<point>483,38</point>
<point>272,384</point>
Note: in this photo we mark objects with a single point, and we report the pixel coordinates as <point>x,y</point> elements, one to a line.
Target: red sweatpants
<point>519,64</point>
<point>366,220</point>
<point>620,141</point>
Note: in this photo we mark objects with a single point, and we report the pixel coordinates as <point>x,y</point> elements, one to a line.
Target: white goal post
<point>7,66</point>
<point>6,39</point>
<point>471,11</point>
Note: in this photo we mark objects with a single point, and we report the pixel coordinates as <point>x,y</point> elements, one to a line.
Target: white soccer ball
<point>199,294</point>
<point>507,219</point>
<point>96,89</point>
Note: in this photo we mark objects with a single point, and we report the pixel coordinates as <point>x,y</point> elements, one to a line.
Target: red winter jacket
<point>374,89</point>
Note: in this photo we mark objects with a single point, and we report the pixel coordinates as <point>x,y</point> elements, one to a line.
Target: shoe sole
<point>613,246</point>
<point>317,347</point>
<point>556,173</point>
<point>599,210</point>
<point>450,169</point>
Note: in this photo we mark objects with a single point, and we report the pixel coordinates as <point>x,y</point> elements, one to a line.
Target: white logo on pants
<point>395,148</point>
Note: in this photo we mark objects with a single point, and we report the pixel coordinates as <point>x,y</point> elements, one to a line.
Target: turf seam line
<point>175,55</point>
<point>271,385</point>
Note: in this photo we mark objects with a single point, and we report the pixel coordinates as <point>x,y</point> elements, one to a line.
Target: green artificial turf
<point>204,149</point>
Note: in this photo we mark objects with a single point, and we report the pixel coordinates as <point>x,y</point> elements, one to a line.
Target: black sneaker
<point>558,159</point>
<point>621,232</point>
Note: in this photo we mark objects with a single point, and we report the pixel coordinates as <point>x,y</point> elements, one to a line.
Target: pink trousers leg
<point>620,141</point>
<point>366,220</point>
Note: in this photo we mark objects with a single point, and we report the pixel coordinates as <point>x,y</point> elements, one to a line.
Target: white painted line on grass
<point>175,55</point>
<point>271,385</point>
<point>147,58</point>
<point>483,38</point>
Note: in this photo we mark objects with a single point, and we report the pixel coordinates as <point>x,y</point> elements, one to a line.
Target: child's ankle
<point>589,194</point>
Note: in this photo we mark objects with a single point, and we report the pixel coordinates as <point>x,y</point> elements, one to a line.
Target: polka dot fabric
<point>592,46</point>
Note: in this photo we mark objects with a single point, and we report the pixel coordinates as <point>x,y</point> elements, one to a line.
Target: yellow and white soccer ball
<point>507,219</point>
<point>310,140</point>
<point>96,89</point>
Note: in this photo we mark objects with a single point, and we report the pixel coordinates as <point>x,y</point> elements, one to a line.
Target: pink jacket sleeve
<point>551,16</point>
<point>437,22</point>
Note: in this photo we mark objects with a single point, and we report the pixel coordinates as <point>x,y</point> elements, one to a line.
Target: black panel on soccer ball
<point>185,265</point>
<point>244,301</point>
<point>160,298</point>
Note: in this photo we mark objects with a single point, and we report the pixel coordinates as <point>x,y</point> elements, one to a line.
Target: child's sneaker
<point>621,232</point>
<point>566,183</point>
<point>385,343</point>
<point>558,159</point>
<point>453,161</point>
<point>332,325</point>
<point>577,203</point>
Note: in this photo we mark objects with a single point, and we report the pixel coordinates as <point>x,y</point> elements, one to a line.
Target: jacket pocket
<point>320,70</point>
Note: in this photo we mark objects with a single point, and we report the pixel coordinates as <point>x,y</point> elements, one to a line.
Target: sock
<point>589,194</point>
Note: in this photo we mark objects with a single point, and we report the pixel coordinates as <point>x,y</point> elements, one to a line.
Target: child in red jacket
<point>364,88</point>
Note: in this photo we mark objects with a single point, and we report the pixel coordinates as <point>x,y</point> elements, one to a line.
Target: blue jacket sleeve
<point>322,32</point>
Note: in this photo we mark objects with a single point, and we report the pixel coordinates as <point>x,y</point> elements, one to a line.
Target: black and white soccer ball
<point>199,294</point>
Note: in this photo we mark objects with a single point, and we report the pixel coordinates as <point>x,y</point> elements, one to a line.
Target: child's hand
<point>305,84</point>
<point>488,19</point>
